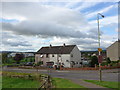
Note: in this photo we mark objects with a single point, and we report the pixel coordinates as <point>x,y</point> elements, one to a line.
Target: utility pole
<point>99,49</point>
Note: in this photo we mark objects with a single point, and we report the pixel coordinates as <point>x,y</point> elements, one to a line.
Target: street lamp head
<point>101,15</point>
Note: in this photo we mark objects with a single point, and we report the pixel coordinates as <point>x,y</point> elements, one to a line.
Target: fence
<point>91,68</point>
<point>47,82</point>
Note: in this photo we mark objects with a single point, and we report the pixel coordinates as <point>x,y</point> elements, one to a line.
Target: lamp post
<point>99,49</point>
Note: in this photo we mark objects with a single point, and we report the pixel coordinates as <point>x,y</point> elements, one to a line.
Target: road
<point>107,75</point>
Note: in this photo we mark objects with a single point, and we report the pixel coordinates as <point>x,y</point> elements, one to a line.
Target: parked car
<point>29,64</point>
<point>22,63</point>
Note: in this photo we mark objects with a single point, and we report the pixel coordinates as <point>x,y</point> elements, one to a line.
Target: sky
<point>28,26</point>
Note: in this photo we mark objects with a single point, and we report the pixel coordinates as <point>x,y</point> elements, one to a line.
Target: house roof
<point>56,49</point>
<point>114,43</point>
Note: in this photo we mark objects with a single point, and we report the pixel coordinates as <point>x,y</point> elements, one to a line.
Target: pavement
<point>91,86</point>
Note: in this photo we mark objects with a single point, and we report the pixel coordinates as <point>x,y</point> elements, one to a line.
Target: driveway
<point>107,75</point>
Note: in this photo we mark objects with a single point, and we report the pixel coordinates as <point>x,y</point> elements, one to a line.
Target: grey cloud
<point>86,41</point>
<point>45,21</point>
<point>44,29</point>
<point>13,40</point>
<point>14,44</point>
<point>85,44</point>
<point>35,11</point>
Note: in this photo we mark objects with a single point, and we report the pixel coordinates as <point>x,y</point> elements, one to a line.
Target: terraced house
<point>113,51</point>
<point>66,55</point>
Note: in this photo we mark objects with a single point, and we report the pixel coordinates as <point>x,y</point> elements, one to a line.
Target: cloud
<point>84,44</point>
<point>14,44</point>
<point>45,21</point>
<point>9,39</point>
<point>40,25</point>
<point>37,28</point>
<point>46,1</point>
<point>35,11</point>
<point>40,18</point>
<point>106,22</point>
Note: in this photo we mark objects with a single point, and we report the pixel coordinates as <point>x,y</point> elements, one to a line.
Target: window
<point>40,62</point>
<point>59,55</point>
<point>47,55</point>
<point>71,55</point>
<point>67,60</point>
<point>80,63</point>
<point>72,62</point>
<point>52,55</point>
<point>76,62</point>
<point>41,56</point>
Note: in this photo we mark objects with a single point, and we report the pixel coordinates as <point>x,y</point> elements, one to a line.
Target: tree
<point>18,57</point>
<point>94,60</point>
<point>40,63</point>
<point>108,60</point>
<point>4,57</point>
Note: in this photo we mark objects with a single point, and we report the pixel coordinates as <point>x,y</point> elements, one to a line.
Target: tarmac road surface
<point>107,75</point>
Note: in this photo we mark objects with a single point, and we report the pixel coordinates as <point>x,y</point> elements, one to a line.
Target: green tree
<point>4,57</point>
<point>108,60</point>
<point>94,60</point>
<point>18,57</point>
<point>40,63</point>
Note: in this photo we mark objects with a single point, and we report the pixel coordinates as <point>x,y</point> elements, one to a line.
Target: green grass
<point>8,82</point>
<point>64,83</point>
<point>0,82</point>
<point>107,84</point>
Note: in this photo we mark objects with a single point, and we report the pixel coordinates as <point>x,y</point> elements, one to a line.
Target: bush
<point>39,63</point>
<point>18,58</point>
<point>114,63</point>
<point>104,63</point>
<point>108,60</point>
<point>94,60</point>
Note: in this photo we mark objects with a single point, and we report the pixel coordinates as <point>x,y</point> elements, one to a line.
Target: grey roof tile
<point>56,49</point>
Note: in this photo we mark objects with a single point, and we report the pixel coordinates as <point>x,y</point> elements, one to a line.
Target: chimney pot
<point>50,45</point>
<point>64,45</point>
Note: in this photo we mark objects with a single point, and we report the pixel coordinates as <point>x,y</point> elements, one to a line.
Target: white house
<point>11,55</point>
<point>113,51</point>
<point>66,55</point>
<point>28,54</point>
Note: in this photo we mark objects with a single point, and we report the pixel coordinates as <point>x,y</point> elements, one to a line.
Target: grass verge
<point>65,83</point>
<point>23,80</point>
<point>12,82</point>
<point>108,84</point>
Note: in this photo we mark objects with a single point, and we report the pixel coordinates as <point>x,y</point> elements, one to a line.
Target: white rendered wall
<point>76,56</point>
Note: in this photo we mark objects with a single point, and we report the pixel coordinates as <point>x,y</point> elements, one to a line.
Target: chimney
<point>50,45</point>
<point>64,45</point>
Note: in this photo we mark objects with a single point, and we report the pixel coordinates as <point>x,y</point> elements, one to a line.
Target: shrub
<point>104,63</point>
<point>94,60</point>
<point>40,63</point>
<point>18,57</point>
<point>108,60</point>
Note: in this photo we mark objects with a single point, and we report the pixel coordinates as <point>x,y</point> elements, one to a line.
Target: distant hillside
<point>14,52</point>
<point>93,51</point>
<point>7,51</point>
